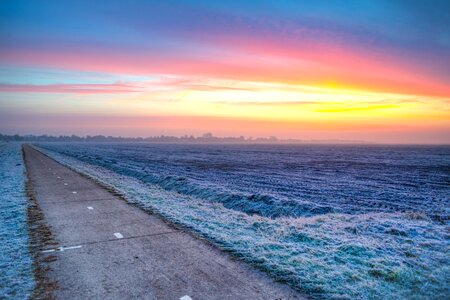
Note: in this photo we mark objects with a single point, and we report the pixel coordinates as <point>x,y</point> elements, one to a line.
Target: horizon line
<point>205,139</point>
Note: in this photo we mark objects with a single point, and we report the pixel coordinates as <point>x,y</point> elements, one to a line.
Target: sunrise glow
<point>253,69</point>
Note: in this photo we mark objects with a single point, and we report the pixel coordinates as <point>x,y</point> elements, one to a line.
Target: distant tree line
<point>205,138</point>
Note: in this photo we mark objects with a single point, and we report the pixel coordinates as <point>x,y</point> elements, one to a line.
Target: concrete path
<point>112,250</point>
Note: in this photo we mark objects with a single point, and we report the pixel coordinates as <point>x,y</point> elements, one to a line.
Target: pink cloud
<point>239,58</point>
<point>113,88</point>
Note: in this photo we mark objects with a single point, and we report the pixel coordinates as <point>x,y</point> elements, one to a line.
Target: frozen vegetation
<point>16,273</point>
<point>336,222</point>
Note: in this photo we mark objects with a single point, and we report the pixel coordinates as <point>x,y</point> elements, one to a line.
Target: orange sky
<point>300,71</point>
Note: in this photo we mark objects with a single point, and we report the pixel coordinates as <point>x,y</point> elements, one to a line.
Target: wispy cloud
<point>199,84</point>
<point>355,108</point>
<point>112,88</point>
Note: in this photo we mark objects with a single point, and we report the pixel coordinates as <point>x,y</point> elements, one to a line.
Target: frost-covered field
<point>16,273</point>
<point>354,222</point>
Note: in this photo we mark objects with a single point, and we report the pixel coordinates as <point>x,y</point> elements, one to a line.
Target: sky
<point>377,71</point>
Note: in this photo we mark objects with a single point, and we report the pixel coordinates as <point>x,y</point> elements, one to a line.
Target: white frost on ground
<point>16,273</point>
<point>333,256</point>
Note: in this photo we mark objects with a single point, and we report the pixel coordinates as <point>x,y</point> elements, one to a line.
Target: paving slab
<point>109,249</point>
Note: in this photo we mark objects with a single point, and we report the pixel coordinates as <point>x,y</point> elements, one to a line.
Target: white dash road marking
<point>186,297</point>
<point>61,249</point>
<point>118,235</point>
<point>74,192</point>
<point>58,177</point>
<point>90,207</point>
<point>65,183</point>
<point>48,251</point>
